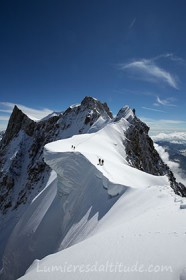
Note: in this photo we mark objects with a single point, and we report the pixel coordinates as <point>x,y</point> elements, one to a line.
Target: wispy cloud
<point>5,110</point>
<point>132,23</point>
<point>124,91</point>
<point>165,102</point>
<point>170,56</point>
<point>173,121</point>
<point>151,109</point>
<point>34,114</point>
<point>147,69</point>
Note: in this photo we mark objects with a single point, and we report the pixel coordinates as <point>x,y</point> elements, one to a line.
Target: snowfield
<point>108,221</point>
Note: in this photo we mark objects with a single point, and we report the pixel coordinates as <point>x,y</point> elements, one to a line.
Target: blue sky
<point>53,53</point>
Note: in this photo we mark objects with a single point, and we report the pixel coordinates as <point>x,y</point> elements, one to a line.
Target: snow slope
<point>24,173</point>
<point>117,222</point>
<point>106,144</point>
<point>99,221</point>
<point>135,240</point>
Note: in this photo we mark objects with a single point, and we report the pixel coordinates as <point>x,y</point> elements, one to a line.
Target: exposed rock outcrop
<point>18,120</point>
<point>141,154</point>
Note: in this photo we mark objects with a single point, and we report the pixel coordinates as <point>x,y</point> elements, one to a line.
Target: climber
<point>102,162</point>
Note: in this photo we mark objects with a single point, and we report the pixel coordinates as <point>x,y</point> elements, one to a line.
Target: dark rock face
<point>107,109</point>
<point>142,155</point>
<point>140,149</point>
<point>1,135</point>
<point>22,122</point>
<point>94,104</point>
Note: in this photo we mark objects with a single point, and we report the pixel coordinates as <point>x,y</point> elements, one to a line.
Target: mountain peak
<point>127,113</point>
<point>89,100</point>
<point>18,120</point>
<point>92,103</point>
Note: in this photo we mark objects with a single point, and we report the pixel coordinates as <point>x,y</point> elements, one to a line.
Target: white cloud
<point>169,56</point>
<point>4,118</point>
<point>34,114</point>
<point>165,102</point>
<point>163,125</point>
<point>3,126</point>
<point>164,155</point>
<point>152,109</point>
<point>174,166</point>
<point>146,69</point>
<point>3,122</point>
<point>172,121</point>
<point>171,137</point>
<point>5,111</point>
<point>176,58</point>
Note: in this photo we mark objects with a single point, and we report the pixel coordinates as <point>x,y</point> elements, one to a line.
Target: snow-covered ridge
<point>51,115</point>
<point>119,213</point>
<point>105,144</point>
<point>54,215</point>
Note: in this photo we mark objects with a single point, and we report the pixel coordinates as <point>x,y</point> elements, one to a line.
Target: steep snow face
<point>86,191</point>
<point>55,221</point>
<point>51,115</point>
<point>79,119</point>
<point>106,144</point>
<point>89,195</point>
<point>24,238</point>
<point>59,213</point>
<point>23,173</point>
<point>134,238</point>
